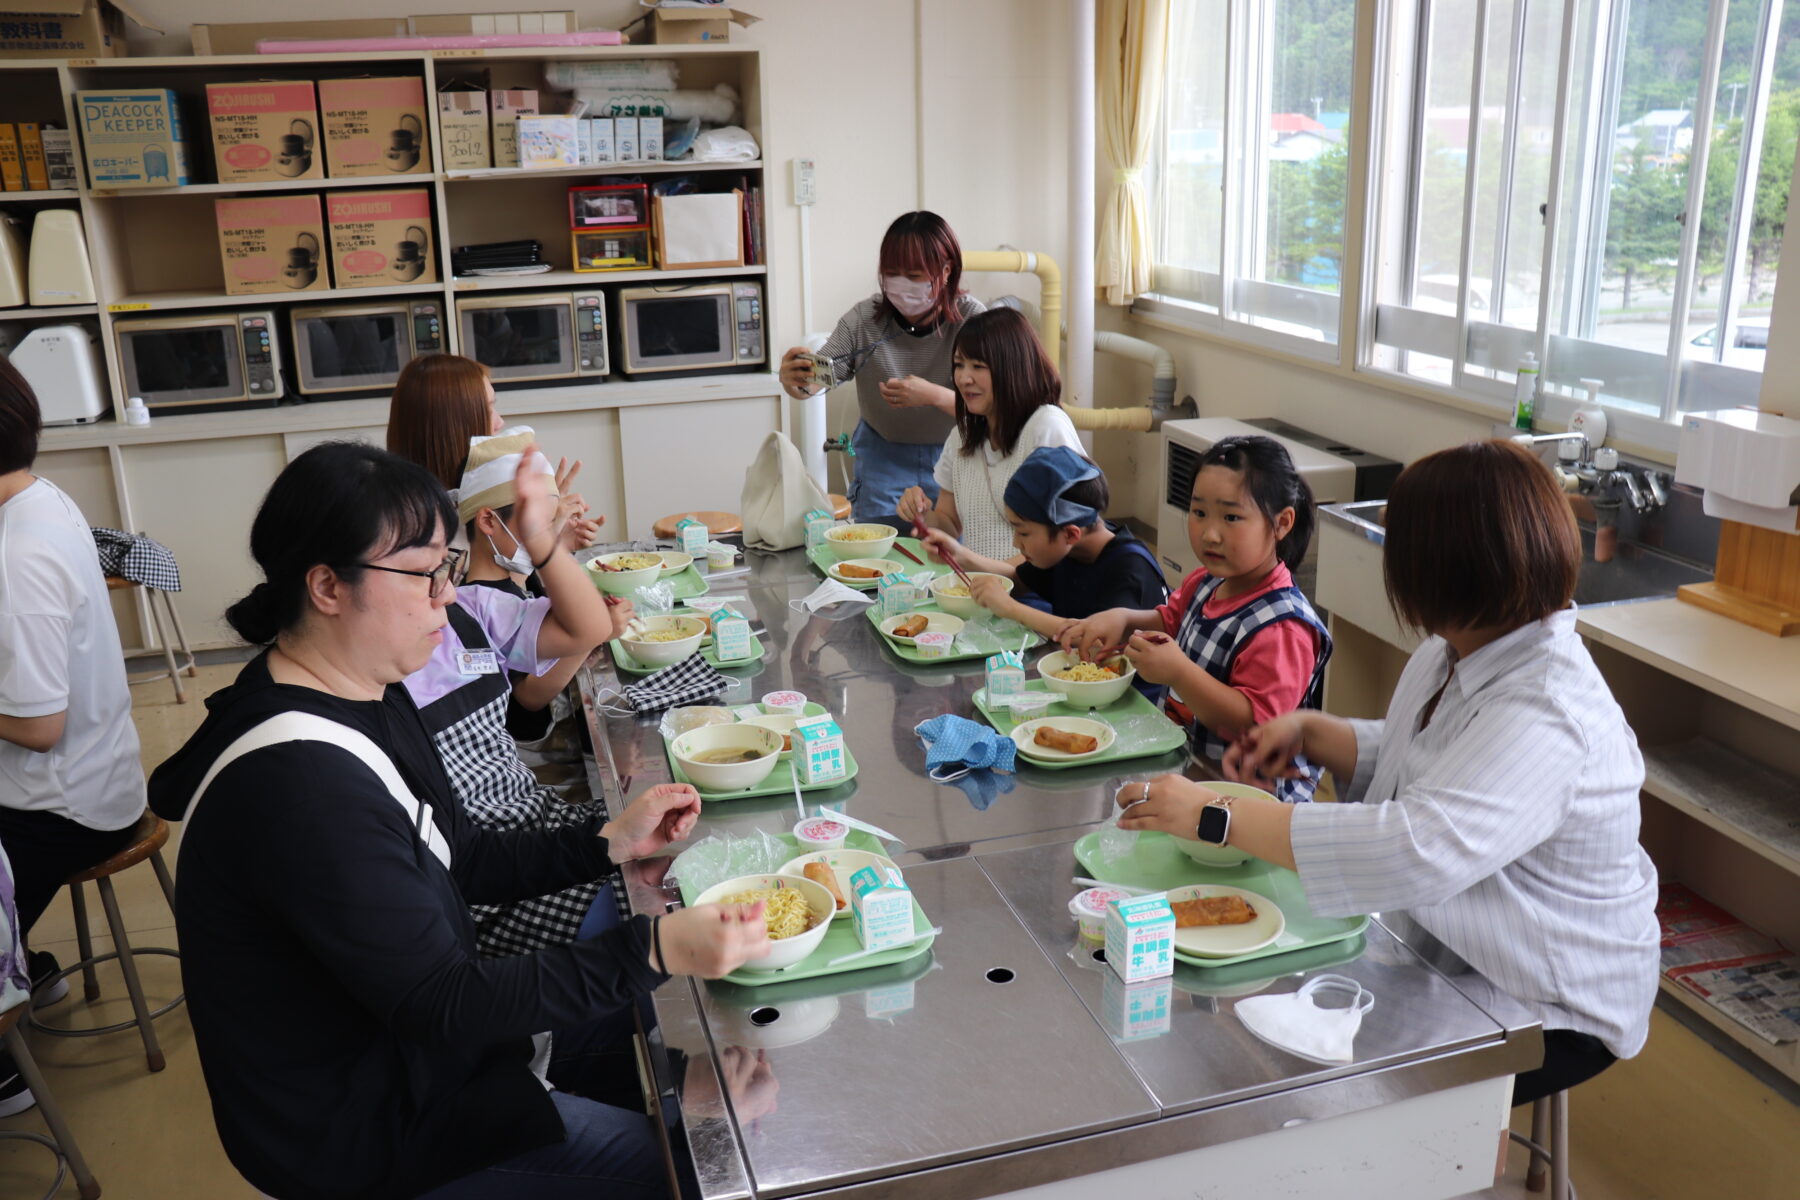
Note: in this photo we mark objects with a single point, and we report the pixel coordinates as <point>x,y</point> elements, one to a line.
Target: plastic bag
<point>678,721</point>
<point>678,136</point>
<point>720,857</point>
<point>731,143</point>
<point>654,600</point>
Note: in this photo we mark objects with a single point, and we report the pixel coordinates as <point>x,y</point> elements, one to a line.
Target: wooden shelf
<point>38,196</point>
<point>1747,802</point>
<point>1784,1057</point>
<point>494,283</point>
<point>490,174</point>
<point>266,185</point>
<point>35,314</point>
<point>163,301</point>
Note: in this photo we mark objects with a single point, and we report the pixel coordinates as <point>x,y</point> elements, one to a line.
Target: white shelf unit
<point>194,480</point>
<point>155,250</point>
<point>1749,803</point>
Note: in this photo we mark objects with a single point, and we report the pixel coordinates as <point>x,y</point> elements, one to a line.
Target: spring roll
<point>852,571</point>
<point>1212,910</point>
<point>912,627</point>
<point>822,873</point>
<point>1067,742</point>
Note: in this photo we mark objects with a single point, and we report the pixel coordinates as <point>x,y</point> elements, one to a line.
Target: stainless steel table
<point>998,1061</point>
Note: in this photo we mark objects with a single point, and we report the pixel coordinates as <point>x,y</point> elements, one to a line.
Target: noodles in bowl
<point>785,913</point>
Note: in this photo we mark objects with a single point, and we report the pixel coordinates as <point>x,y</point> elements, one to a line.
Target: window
<point>1600,182</point>
<point>1250,179</point>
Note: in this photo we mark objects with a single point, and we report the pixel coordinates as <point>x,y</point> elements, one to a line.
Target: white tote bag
<point>778,493</point>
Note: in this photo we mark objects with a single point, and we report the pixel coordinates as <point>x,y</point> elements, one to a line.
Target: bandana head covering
<point>487,480</point>
<point>1036,490</point>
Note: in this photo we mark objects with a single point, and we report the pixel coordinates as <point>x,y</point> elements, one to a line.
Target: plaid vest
<point>1214,642</point>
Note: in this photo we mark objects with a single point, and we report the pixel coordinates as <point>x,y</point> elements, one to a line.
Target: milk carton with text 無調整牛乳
<point>1140,937</point>
<point>692,536</point>
<point>897,594</point>
<point>731,635</point>
<point>819,750</point>
<point>817,522</point>
<point>881,908</point>
<point>1005,678</point>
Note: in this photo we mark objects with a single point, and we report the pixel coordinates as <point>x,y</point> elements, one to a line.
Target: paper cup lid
<point>1093,902</point>
<point>820,829</point>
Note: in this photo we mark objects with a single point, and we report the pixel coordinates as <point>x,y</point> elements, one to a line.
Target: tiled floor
<point>1680,1122</point>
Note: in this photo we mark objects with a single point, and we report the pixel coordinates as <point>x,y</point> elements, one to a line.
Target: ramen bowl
<point>621,579</point>
<point>860,541</point>
<point>705,756</point>
<point>947,593</point>
<point>1085,695</point>
<point>782,724</point>
<point>654,648</point>
<point>787,951</point>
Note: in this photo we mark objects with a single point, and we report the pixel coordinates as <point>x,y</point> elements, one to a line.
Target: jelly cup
<point>934,645</point>
<point>1089,910</point>
<point>784,702</point>
<point>820,833</point>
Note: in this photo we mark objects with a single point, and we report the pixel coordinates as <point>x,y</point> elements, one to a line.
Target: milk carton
<point>896,594</point>
<point>693,536</point>
<point>1140,937</point>
<point>881,908</point>
<point>817,522</point>
<point>1133,1012</point>
<point>731,635</point>
<point>819,750</point>
<point>1005,678</point>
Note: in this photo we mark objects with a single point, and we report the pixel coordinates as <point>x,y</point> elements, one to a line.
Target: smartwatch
<point>1215,824</point>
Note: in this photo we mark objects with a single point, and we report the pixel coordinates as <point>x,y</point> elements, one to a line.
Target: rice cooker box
<point>266,130</point>
<point>133,137</point>
<point>375,126</point>
<point>272,244</point>
<point>381,238</point>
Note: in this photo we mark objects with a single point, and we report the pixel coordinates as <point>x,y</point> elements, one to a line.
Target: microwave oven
<point>535,337</point>
<point>201,363</point>
<point>361,347</point>
<point>693,329</point>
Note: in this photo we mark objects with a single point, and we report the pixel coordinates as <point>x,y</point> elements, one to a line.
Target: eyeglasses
<point>445,571</point>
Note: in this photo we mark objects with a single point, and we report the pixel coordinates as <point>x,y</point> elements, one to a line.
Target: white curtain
<point>1132,43</point>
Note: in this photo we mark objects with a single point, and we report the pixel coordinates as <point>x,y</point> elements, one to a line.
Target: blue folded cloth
<point>952,740</point>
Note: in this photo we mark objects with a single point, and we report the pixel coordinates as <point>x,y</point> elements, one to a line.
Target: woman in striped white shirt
<point>1499,799</point>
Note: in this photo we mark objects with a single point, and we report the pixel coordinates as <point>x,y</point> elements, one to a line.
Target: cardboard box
<point>818,749</point>
<point>1140,937</point>
<point>133,137</point>
<point>605,146</point>
<point>272,244</point>
<point>12,163</point>
<point>66,28</point>
<point>381,238</point>
<point>463,126</point>
<point>240,37</point>
<point>59,157</point>
<point>625,139</point>
<point>453,24</point>
<point>31,156</point>
<point>584,141</point>
<point>375,126</point>
<point>681,26</point>
<point>265,130</point>
<point>548,142</point>
<point>506,107</point>
<point>881,908</point>
<point>650,133</point>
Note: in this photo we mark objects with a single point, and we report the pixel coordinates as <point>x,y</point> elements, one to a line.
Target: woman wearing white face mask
<point>896,345</point>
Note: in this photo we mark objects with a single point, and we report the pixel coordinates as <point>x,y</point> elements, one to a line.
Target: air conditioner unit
<point>1336,473</point>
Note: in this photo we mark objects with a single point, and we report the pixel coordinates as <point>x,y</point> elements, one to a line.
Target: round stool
<point>174,671</point>
<point>840,506</point>
<point>147,840</point>
<point>60,1142</point>
<point>717,523</point>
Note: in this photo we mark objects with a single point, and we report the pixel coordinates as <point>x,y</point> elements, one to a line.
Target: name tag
<point>477,662</point>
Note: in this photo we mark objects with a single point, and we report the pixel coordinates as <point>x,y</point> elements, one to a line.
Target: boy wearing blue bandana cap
<point>1069,555</point>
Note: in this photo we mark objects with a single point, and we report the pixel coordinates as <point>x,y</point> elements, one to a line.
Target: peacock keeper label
<point>133,138</point>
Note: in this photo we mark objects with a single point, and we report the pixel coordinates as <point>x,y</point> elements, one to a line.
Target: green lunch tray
<point>822,558</point>
<point>626,662</point>
<point>1162,737</point>
<point>839,941</point>
<point>688,583</point>
<point>907,653</point>
<point>779,783</point>
<point>1156,863</point>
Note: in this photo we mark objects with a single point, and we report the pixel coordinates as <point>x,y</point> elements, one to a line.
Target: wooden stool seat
<point>164,619</point>
<point>61,1141</point>
<point>149,835</point>
<point>840,506</point>
<point>717,523</point>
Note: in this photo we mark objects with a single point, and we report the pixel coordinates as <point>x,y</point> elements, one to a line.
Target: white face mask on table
<point>1292,1022</point>
<point>912,298</point>
<point>827,594</point>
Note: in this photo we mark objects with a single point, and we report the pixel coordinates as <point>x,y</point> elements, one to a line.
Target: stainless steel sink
<point>1635,573</point>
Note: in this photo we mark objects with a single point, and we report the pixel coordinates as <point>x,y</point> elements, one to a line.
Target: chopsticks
<point>909,554</point>
<point>919,532</point>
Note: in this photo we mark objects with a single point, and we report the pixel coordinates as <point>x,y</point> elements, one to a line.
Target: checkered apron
<point>499,792</point>
<point>1214,642</point>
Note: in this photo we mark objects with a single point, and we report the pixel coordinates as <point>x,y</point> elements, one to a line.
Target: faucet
<point>1583,455</point>
<point>1607,476</point>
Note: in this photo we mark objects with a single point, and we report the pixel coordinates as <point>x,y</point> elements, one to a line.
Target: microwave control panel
<point>747,299</point>
<point>428,328</point>
<point>590,334</point>
<point>260,376</point>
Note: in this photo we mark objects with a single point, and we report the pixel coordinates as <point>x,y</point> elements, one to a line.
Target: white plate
<point>845,863</point>
<point>936,622</point>
<point>674,562</point>
<point>1098,729</point>
<point>1225,941</point>
<point>885,565</point>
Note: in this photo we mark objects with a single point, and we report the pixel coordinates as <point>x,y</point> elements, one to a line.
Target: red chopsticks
<point>919,532</point>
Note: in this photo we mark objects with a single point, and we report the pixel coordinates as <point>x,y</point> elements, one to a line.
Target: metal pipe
<point>1050,298</point>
